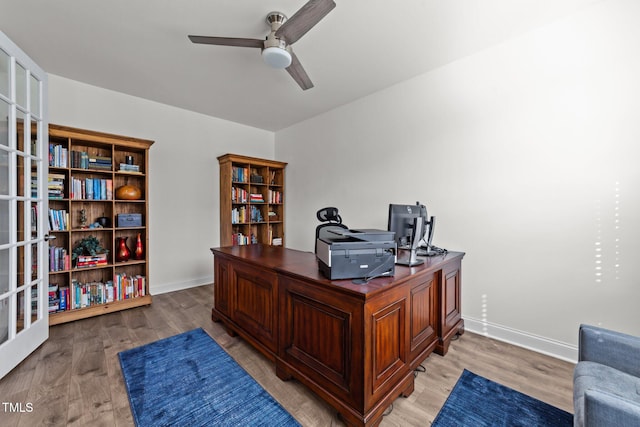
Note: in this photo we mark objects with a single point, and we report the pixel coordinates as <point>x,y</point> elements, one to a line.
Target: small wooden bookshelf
<point>251,200</point>
<point>80,160</point>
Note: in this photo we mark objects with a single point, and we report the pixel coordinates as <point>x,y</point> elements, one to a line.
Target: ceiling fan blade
<point>304,19</point>
<point>228,41</point>
<point>298,73</point>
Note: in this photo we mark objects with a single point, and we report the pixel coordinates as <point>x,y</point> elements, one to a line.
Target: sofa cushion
<point>595,376</point>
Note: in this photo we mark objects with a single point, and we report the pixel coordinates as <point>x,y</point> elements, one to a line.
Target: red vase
<point>122,252</point>
<point>138,253</point>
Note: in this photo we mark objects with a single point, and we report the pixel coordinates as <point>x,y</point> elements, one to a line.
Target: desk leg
<point>443,344</point>
<point>407,391</point>
<point>282,372</point>
<point>218,319</point>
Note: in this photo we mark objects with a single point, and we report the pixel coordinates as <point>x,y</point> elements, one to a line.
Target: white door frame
<point>24,320</point>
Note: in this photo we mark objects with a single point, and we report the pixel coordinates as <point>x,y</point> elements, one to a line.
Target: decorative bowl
<point>128,192</point>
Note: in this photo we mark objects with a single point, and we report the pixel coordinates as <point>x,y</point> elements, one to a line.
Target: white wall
<point>526,153</point>
<point>183,175</point>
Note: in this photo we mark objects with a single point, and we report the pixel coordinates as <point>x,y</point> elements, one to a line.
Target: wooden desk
<point>355,346</point>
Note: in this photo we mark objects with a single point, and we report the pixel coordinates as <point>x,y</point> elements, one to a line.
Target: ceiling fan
<point>276,47</point>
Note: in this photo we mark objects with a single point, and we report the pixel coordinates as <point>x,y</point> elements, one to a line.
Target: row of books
<point>256,215</point>
<point>81,295</point>
<point>58,155</point>
<point>54,298</point>
<point>58,220</point>
<point>239,215</point>
<point>91,189</point>
<point>244,214</point>
<point>84,160</point>
<point>59,259</point>
<point>55,185</point>
<point>129,286</point>
<point>239,239</point>
<point>239,174</point>
<point>239,195</point>
<point>85,261</point>
<point>275,196</point>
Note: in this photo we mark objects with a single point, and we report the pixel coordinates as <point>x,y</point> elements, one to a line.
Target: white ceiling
<point>140,47</point>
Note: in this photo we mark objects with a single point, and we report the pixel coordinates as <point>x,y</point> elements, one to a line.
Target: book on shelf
<point>85,261</point>
<point>239,215</point>
<point>238,195</point>
<point>239,239</point>
<point>124,167</point>
<point>272,239</point>
<point>82,160</point>
<point>58,220</point>
<point>275,196</point>
<point>256,198</point>
<point>99,162</point>
<point>58,155</point>
<point>239,174</point>
<point>91,189</point>
<point>126,287</point>
<point>54,300</point>
<point>59,259</point>
<point>81,295</point>
<point>63,293</point>
<point>55,185</point>
<point>79,159</point>
<point>256,215</point>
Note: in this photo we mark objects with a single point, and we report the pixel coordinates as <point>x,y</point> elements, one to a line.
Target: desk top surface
<point>304,265</point>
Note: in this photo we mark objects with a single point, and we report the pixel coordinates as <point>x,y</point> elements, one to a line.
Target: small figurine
<point>83,218</point>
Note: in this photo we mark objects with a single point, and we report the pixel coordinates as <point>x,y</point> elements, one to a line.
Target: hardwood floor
<point>74,378</point>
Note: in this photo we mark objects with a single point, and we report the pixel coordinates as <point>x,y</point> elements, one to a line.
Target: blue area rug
<point>189,380</point>
<point>476,401</point>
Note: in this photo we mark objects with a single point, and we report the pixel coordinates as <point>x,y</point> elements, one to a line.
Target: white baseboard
<point>163,288</point>
<point>523,339</point>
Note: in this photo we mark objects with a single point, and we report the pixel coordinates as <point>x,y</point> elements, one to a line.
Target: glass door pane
<point>21,86</point>
<point>23,274</point>
<point>5,60</point>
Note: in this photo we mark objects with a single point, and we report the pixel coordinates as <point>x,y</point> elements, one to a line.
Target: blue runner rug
<point>476,401</point>
<point>189,380</point>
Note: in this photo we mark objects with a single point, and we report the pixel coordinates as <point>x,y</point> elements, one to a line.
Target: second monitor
<point>411,226</point>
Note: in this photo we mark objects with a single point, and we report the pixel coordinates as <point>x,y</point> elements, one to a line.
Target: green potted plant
<point>89,246</point>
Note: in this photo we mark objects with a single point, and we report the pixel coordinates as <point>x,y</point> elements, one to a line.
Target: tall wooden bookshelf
<point>251,200</point>
<point>78,172</point>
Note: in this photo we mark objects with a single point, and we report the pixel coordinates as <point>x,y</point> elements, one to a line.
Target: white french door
<point>24,321</point>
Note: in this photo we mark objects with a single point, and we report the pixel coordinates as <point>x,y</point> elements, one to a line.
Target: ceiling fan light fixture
<point>276,57</point>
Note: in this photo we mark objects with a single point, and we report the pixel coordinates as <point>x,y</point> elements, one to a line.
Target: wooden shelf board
<point>96,310</point>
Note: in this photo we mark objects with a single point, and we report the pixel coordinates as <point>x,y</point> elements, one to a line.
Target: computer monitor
<point>410,224</point>
<point>402,222</point>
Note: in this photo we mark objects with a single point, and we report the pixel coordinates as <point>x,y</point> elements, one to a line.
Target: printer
<point>350,254</point>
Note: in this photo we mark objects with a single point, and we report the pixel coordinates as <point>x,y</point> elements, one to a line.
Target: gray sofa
<point>606,380</point>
